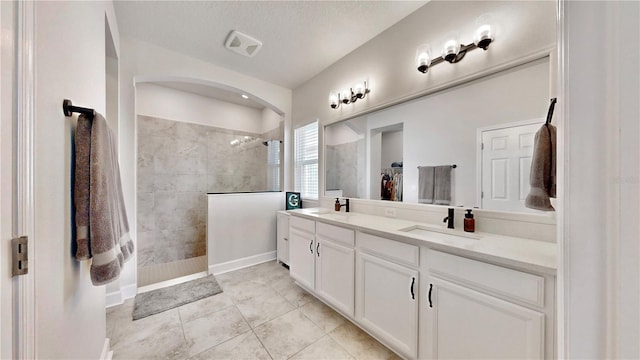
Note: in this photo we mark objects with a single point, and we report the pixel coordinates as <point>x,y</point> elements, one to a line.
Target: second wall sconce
<point>348,96</point>
<point>453,51</point>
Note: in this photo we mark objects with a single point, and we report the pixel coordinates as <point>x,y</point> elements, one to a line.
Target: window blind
<point>273,165</point>
<point>306,160</point>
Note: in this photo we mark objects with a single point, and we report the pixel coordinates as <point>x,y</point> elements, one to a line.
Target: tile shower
<point>345,164</point>
<point>178,163</point>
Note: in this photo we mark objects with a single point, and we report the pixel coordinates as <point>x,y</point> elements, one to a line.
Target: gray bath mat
<point>157,301</point>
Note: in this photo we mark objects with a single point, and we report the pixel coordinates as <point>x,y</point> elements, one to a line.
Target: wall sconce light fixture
<point>453,51</point>
<point>348,96</point>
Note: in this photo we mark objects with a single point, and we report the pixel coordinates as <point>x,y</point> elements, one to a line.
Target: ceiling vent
<point>242,44</point>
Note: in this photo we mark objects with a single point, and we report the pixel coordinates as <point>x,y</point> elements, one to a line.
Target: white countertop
<point>525,254</point>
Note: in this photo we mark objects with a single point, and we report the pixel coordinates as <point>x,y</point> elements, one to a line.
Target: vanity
<point>425,291</point>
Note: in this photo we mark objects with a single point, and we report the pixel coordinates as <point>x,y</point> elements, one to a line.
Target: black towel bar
<point>68,109</point>
<point>452,166</point>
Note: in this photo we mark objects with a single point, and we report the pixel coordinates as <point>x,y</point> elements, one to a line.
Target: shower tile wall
<point>178,163</point>
<point>345,168</point>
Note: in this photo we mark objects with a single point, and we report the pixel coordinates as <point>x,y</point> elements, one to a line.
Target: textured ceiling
<point>300,38</point>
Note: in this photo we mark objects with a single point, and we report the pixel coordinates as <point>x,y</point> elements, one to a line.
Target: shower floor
<point>158,273</point>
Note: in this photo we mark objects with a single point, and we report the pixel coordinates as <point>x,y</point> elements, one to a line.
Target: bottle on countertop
<point>337,205</point>
<point>469,222</point>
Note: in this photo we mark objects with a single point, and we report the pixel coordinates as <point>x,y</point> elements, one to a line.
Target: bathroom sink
<point>443,234</point>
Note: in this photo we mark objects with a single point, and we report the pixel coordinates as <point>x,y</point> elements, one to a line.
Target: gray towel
<point>101,220</point>
<point>426,177</point>
<point>442,185</point>
<point>543,170</point>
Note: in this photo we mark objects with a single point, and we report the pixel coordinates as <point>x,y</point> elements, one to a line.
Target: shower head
<point>265,143</point>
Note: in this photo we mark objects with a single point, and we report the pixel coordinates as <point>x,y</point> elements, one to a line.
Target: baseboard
<point>118,297</point>
<point>106,354</point>
<point>242,263</point>
<point>172,282</point>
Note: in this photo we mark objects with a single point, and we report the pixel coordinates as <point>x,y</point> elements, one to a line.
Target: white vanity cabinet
<point>282,237</point>
<point>335,266</point>
<point>472,309</point>
<point>387,298</point>
<point>302,251</point>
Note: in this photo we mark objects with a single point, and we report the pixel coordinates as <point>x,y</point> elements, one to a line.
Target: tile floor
<point>262,314</point>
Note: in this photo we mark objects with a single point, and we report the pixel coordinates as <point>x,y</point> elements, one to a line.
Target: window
<point>306,160</point>
<point>273,165</point>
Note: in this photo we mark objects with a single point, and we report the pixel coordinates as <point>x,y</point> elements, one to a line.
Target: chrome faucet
<point>449,219</point>
<point>338,205</point>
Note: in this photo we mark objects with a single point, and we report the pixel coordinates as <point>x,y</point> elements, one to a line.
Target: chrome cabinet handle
<point>311,246</point>
<point>413,281</point>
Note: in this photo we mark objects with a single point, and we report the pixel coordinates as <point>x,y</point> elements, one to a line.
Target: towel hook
<point>68,109</point>
<point>550,112</point>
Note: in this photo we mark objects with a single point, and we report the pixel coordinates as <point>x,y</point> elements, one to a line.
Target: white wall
<point>171,104</point>
<point>270,120</point>
<point>387,61</point>
<point>600,271</point>
<point>144,61</point>
<point>69,63</point>
<point>241,229</point>
<point>391,148</point>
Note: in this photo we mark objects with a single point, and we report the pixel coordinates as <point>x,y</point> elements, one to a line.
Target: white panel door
<point>465,324</point>
<point>387,302</point>
<point>335,274</point>
<point>282,229</point>
<point>506,164</point>
<point>301,257</point>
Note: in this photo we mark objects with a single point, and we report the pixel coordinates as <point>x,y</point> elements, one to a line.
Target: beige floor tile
<point>322,315</point>
<point>260,309</point>
<point>165,344</point>
<point>242,347</point>
<point>242,290</point>
<point>204,307</point>
<point>323,349</point>
<point>214,329</point>
<point>116,315</point>
<point>358,343</point>
<point>295,294</point>
<point>129,331</point>
<point>288,334</point>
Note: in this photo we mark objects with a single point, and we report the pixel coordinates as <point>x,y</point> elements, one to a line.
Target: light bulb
<point>358,90</point>
<point>345,96</point>
<point>451,50</point>
<point>483,37</point>
<point>423,58</point>
<point>333,100</point>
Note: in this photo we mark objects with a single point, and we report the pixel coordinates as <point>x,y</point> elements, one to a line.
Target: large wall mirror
<point>480,134</point>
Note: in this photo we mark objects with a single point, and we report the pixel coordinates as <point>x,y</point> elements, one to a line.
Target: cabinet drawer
<point>493,279</point>
<point>302,224</point>
<point>335,233</point>
<point>390,249</point>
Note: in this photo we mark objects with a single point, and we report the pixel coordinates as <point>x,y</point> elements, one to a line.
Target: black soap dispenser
<point>469,222</point>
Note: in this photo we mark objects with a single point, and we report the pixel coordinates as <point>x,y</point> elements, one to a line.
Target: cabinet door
<point>283,238</point>
<point>387,302</point>
<point>301,257</point>
<point>335,274</point>
<point>462,323</point>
